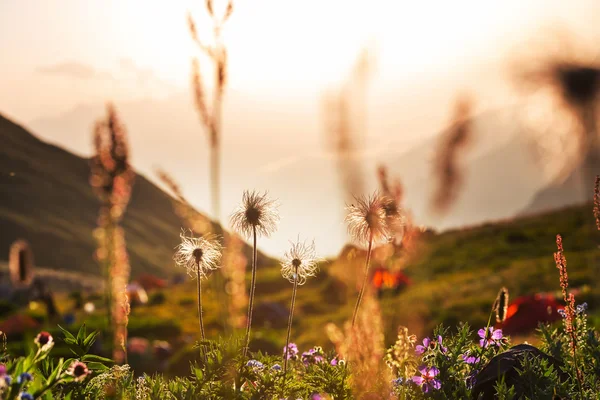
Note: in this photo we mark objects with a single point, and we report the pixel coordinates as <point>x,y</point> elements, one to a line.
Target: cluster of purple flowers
<point>255,365</point>
<point>431,344</point>
<point>292,351</point>
<point>6,380</point>
<point>313,356</point>
<point>580,309</point>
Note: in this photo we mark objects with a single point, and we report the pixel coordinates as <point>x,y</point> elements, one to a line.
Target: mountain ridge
<point>47,200</point>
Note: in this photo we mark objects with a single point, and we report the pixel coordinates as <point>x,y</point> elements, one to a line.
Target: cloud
<point>74,69</point>
<point>142,76</point>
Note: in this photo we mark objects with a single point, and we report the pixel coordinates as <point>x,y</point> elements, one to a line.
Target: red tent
<point>383,278</point>
<point>526,312</point>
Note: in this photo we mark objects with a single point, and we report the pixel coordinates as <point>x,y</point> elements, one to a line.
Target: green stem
<point>289,331</point>
<point>252,289</point>
<point>364,283</point>
<point>200,318</point>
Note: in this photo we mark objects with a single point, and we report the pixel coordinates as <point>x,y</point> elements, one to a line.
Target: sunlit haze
<point>62,60</point>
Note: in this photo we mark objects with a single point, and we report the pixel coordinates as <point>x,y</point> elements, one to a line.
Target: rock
<point>506,364</point>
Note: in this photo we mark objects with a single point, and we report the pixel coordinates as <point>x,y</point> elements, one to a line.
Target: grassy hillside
<point>45,198</point>
<point>455,278</point>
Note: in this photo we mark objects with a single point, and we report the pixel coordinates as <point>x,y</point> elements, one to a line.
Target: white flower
<point>256,212</point>
<point>299,262</point>
<point>198,255</point>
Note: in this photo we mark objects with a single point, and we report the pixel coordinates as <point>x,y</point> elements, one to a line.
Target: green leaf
<point>93,357</point>
<point>81,334</point>
<point>96,366</point>
<point>68,335</point>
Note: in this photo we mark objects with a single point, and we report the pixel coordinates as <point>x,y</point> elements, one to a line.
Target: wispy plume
<point>345,120</point>
<point>363,346</point>
<point>256,216</point>
<point>199,256</point>
<point>211,116</point>
<point>112,179</point>
<point>447,170</point>
<point>299,263</point>
<point>564,73</point>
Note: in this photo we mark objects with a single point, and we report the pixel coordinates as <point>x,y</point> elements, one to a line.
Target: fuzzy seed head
<point>367,218</point>
<point>198,255</point>
<point>257,212</point>
<point>300,262</point>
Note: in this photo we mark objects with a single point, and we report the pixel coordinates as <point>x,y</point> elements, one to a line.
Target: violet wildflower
<point>491,337</point>
<point>470,359</point>
<point>562,312</point>
<point>581,308</point>
<point>427,380</point>
<point>292,353</point>
<point>255,364</point>
<point>471,381</point>
<point>337,361</point>
<point>430,344</point>
<point>313,356</point>
<point>25,396</point>
<point>397,382</point>
<point>24,377</point>
<point>276,367</point>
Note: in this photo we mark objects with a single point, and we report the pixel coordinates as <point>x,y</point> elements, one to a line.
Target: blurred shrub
<point>157,298</point>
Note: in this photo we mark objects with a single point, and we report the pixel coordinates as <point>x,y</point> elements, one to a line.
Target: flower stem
<point>252,288</point>
<point>364,284</point>
<point>200,319</point>
<point>289,331</point>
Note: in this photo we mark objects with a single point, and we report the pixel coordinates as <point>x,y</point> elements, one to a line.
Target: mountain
<point>46,199</point>
<point>570,190</point>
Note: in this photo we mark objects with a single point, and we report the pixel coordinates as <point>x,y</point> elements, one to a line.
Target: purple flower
<point>313,356</point>
<point>2,369</point>
<point>24,377</point>
<point>316,396</point>
<point>470,359</point>
<point>255,364</point>
<point>397,382</point>
<point>471,379</point>
<point>25,396</point>
<point>430,344</point>
<point>427,380</point>
<point>276,367</point>
<point>581,308</point>
<point>562,313</point>
<point>292,351</point>
<point>491,337</point>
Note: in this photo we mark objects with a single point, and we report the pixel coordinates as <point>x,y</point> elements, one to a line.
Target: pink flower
<point>427,380</point>
<point>491,337</point>
<point>431,344</point>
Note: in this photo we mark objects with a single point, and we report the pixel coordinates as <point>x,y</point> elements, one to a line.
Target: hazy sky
<point>63,58</point>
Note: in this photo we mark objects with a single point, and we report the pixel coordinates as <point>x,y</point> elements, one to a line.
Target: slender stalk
<point>252,288</point>
<point>289,331</point>
<point>200,319</point>
<point>364,284</point>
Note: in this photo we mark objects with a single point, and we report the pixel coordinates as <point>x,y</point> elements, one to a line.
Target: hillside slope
<point>45,198</point>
